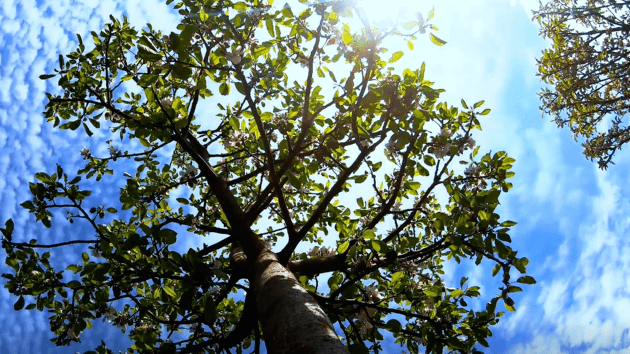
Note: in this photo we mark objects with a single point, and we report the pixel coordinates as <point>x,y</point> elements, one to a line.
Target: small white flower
<point>471,170</point>
<point>418,340</point>
<point>392,146</point>
<point>372,294</point>
<point>236,56</point>
<point>214,290</point>
<point>469,144</point>
<point>166,39</point>
<point>71,334</point>
<point>420,19</point>
<point>166,102</point>
<point>445,132</point>
<point>109,313</point>
<point>86,153</point>
<point>364,317</point>
<point>384,23</point>
<point>439,151</point>
<point>236,139</point>
<point>113,151</point>
<point>188,172</point>
<point>396,206</point>
<point>326,251</point>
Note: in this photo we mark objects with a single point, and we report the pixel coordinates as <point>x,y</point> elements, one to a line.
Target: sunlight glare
<point>379,11</point>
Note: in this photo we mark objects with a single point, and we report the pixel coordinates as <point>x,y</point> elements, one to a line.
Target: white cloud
<point>9,9</point>
<point>583,295</point>
<point>539,344</point>
<point>587,300</point>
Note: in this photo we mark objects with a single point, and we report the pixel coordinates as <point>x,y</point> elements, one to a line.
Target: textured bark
<point>292,321</point>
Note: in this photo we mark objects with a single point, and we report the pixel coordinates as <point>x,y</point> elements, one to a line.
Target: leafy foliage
<point>273,161</point>
<point>588,69</point>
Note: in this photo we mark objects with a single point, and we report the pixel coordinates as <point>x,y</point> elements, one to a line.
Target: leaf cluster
<point>587,69</point>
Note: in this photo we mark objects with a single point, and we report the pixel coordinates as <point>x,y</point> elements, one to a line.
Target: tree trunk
<point>292,321</point>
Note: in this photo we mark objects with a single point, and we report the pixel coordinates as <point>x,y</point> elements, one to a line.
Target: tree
<point>275,163</point>
<point>588,70</point>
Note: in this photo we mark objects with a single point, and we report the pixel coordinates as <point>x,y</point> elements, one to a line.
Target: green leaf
<point>8,226</point>
<point>359,348</point>
<point>393,326</point>
<point>526,280</point>
<point>19,304</point>
<point>168,236</point>
<point>431,291</point>
<point>455,343</point>
<point>320,72</point>
<point>147,54</point>
<point>396,56</point>
<point>509,304</point>
<point>209,311</point>
<point>437,41</point>
<point>224,89</point>
<point>346,35</point>
<point>457,292</point>
<point>240,6</point>
<point>269,25</point>
<point>414,185</point>
<point>485,112</point>
<point>170,292</point>
<point>87,130</point>
<point>147,80</point>
<point>496,269</point>
<point>396,276</point>
<point>514,289</point>
<point>74,268</point>
<point>293,180</point>
<point>46,76</point>
<point>343,247</point>
<point>369,234</point>
<point>508,223</point>
<point>182,72</point>
<point>43,177</point>
<point>376,244</point>
<point>360,178</point>
<point>234,123</point>
<point>184,40</point>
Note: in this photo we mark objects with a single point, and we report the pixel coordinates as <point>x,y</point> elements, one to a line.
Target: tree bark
<point>292,321</point>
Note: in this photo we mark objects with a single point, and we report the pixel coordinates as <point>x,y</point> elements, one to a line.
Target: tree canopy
<point>286,147</point>
<point>588,69</point>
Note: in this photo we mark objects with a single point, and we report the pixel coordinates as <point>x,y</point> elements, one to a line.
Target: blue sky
<point>573,218</point>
